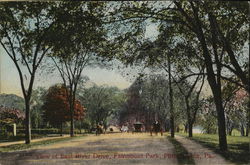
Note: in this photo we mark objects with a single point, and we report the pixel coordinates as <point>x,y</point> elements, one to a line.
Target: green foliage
<point>46,131</point>
<point>238,147</point>
<point>37,100</point>
<point>207,117</point>
<point>101,102</point>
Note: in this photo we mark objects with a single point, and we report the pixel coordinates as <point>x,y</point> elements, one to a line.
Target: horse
<point>156,127</point>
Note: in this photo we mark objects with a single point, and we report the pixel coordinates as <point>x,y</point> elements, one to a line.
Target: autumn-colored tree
<point>8,115</point>
<point>56,107</point>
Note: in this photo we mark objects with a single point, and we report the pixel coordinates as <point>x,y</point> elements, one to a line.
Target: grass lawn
<point>11,138</point>
<point>238,146</point>
<point>16,147</point>
<point>180,152</point>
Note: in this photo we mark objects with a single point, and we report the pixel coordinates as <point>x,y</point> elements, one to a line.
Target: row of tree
<point>195,39</point>
<point>148,101</point>
<point>49,107</point>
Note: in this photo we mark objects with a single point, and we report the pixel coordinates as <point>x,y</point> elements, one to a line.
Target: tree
<point>37,100</point>
<point>8,115</point>
<point>207,117</point>
<point>102,102</point>
<point>219,29</point>
<point>83,35</point>
<point>236,111</point>
<point>24,29</point>
<point>154,99</point>
<point>57,109</point>
<point>192,101</point>
<point>219,43</point>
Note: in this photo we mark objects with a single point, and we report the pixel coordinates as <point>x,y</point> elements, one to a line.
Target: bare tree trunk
<point>61,129</point>
<point>242,131</point>
<point>190,129</point>
<point>27,121</point>
<point>248,114</point>
<point>185,127</point>
<point>221,122</point>
<point>247,129</point>
<point>170,98</point>
<point>72,126</point>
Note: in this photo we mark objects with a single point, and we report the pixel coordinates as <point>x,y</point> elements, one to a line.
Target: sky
<point>10,83</point>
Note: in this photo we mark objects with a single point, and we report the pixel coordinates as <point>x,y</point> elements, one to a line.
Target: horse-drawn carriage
<point>156,127</point>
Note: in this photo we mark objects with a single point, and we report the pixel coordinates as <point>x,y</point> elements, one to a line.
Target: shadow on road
<point>182,155</point>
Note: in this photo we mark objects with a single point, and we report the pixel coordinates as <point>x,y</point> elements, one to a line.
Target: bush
<point>45,131</point>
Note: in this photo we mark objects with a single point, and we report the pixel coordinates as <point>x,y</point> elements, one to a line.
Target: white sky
<point>10,79</point>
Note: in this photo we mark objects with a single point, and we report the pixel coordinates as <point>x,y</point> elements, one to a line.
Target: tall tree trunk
<point>242,131</point>
<point>61,129</point>
<point>27,121</point>
<point>220,120</point>
<point>248,113</point>
<point>80,127</point>
<point>71,121</point>
<point>170,98</point>
<point>190,123</point>
<point>185,127</point>
<point>214,85</point>
<point>190,129</point>
<point>247,129</point>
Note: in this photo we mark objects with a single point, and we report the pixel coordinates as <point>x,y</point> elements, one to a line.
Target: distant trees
<point>12,101</point>
<point>102,103</point>
<point>236,112</point>
<point>148,100</point>
<point>37,100</point>
<point>56,107</point>
<point>207,117</point>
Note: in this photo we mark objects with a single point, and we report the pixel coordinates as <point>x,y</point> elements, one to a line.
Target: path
<point>120,148</point>
<point>33,140</point>
<point>200,154</point>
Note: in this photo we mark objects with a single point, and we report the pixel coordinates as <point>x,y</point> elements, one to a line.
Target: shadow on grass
<point>181,153</point>
<point>237,153</point>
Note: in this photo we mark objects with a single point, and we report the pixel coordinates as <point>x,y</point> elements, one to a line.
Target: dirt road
<point>120,148</point>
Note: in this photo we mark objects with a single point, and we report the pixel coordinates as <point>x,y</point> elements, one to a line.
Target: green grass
<point>16,147</point>
<point>238,147</point>
<point>181,153</point>
<point>11,138</point>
